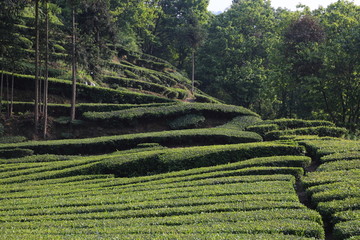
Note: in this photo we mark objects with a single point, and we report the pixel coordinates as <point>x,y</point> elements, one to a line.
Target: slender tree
<point>37,36</point>
<point>1,90</point>
<point>46,84</point>
<point>73,68</point>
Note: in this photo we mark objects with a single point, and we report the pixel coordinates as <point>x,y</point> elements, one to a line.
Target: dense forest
<point>276,62</point>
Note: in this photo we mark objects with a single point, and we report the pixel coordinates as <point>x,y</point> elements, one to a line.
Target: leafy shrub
<point>187,121</point>
<point>320,131</point>
<point>180,159</point>
<point>241,122</point>
<point>341,156</point>
<point>151,113</point>
<point>15,153</point>
<point>89,93</point>
<point>113,143</point>
<point>263,129</point>
<point>321,147</point>
<point>12,139</point>
<point>285,123</point>
<point>1,129</point>
<point>148,145</point>
<point>340,165</point>
<point>201,98</point>
<point>347,229</point>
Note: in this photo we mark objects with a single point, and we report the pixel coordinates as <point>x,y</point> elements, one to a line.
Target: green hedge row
<point>340,165</point>
<point>88,93</point>
<point>285,123</point>
<point>180,159</point>
<point>163,236</point>
<point>15,153</point>
<point>263,128</point>
<point>334,191</point>
<point>347,229</point>
<point>202,98</point>
<point>323,147</point>
<point>320,131</point>
<point>143,163</point>
<point>335,186</point>
<point>319,178</point>
<point>341,156</point>
<point>346,216</point>
<point>136,72</point>
<point>58,110</point>
<point>187,121</point>
<point>12,139</point>
<point>172,93</point>
<point>151,113</point>
<point>36,158</point>
<point>241,122</point>
<point>109,144</point>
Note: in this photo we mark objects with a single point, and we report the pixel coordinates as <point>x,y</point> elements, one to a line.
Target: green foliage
<point>89,93</point>
<point>263,128</point>
<point>179,159</point>
<point>320,131</point>
<point>12,139</point>
<point>1,129</point>
<point>241,123</point>
<point>285,123</point>
<point>322,147</point>
<point>347,229</point>
<point>340,165</point>
<point>341,156</point>
<point>113,143</point>
<point>187,121</point>
<point>171,93</point>
<point>15,152</point>
<point>168,111</point>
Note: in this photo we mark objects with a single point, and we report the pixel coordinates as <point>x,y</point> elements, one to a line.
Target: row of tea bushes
<point>57,110</point>
<point>335,186</point>
<point>241,123</point>
<point>252,198</point>
<point>143,162</point>
<point>289,123</point>
<point>320,131</point>
<point>275,129</point>
<point>121,142</point>
<point>320,147</point>
<point>172,93</point>
<point>88,93</point>
<point>152,113</point>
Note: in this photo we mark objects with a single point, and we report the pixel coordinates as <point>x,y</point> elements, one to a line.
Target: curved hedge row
<point>168,92</point>
<point>320,131</point>
<point>289,123</point>
<point>57,110</point>
<point>88,93</point>
<point>121,142</point>
<point>335,186</point>
<point>241,122</point>
<point>151,113</point>
<point>180,159</point>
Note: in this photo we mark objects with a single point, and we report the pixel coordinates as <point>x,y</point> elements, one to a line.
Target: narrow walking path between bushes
<point>305,199</point>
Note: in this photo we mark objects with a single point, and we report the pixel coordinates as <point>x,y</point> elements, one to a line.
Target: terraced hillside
<point>219,182</point>
<point>148,159</point>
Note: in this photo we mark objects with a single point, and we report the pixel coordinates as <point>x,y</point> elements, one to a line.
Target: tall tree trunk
<point>193,72</point>
<point>12,95</point>
<point>46,84</point>
<point>73,95</point>
<point>7,97</point>
<point>37,35</point>
<point>1,90</point>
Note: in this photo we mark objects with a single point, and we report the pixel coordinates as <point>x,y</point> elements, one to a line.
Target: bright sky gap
<point>221,5</point>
